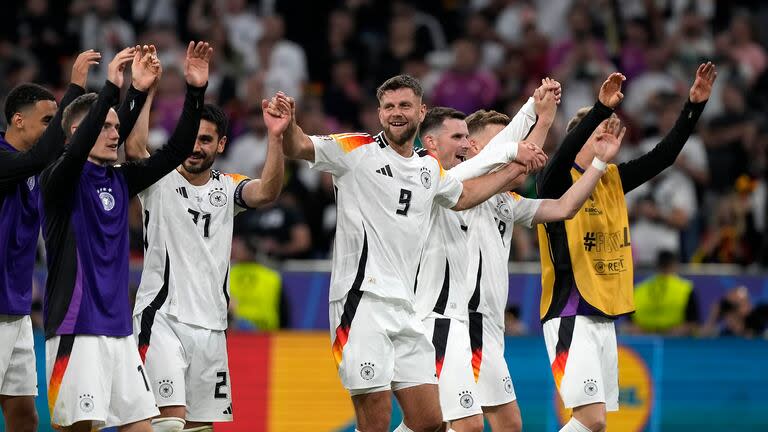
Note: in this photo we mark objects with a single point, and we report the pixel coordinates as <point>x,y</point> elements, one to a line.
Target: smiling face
<point>400,113</point>
<point>207,146</point>
<point>450,142</point>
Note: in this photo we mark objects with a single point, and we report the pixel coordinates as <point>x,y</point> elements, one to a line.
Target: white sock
<point>403,428</point>
<point>574,425</point>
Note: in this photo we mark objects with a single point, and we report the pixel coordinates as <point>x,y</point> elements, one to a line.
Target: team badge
<point>31,182</point>
<point>465,399</point>
<point>590,387</point>
<point>426,178</point>
<point>503,209</point>
<point>508,385</point>
<point>366,372</point>
<point>106,198</point>
<point>166,388</point>
<point>217,197</point>
<point>86,403</point>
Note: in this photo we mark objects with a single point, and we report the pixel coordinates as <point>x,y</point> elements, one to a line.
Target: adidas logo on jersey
<point>385,170</point>
<point>182,191</point>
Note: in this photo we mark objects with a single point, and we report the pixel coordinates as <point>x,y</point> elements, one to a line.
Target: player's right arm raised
<point>296,144</point>
<point>137,140</point>
<point>606,145</point>
<point>63,175</point>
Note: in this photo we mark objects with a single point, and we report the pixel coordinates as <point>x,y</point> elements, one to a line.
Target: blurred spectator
<point>513,325</point>
<point>479,29</point>
<point>277,231</point>
<point>739,45</point>
<point>283,63</point>
<point>734,315</point>
<point>342,98</point>
<point>665,303</point>
<point>727,239</point>
<point>401,45</point>
<point>654,81</point>
<point>323,224</point>
<point>41,31</point>
<point>248,151</point>
<point>100,29</point>
<point>465,86</point>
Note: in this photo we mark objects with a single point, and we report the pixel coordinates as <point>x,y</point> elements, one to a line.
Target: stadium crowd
<point>711,207</point>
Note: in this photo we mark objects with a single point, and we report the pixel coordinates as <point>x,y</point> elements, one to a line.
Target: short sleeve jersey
<point>489,241</point>
<point>384,203</point>
<point>187,245</point>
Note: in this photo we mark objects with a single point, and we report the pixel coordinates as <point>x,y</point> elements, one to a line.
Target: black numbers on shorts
<point>143,377</point>
<point>206,220</point>
<point>405,201</point>
<point>217,393</point>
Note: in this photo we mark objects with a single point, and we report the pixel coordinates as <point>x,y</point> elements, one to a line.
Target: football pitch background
<point>286,381</point>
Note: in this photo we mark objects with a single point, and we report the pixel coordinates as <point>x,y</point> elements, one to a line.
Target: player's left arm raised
<point>478,190</point>
<point>640,170</point>
<point>265,190</point>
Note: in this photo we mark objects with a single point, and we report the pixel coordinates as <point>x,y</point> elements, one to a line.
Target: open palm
<point>702,86</point>
<point>608,141</point>
<point>196,64</point>
<point>610,92</point>
<point>277,115</point>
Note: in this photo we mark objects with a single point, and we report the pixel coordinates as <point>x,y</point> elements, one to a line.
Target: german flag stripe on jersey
<point>236,178</point>
<point>476,341</point>
<point>59,367</point>
<point>351,141</point>
<point>440,341</point>
<point>564,338</point>
<point>350,305</point>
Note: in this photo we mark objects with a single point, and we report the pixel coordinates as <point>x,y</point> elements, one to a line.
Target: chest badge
<point>217,197</point>
<point>426,177</point>
<point>106,198</point>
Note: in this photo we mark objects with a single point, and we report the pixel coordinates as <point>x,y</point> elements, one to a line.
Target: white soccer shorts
<point>186,366</point>
<point>96,378</point>
<point>379,344</point>
<point>18,376</point>
<point>494,384</point>
<point>585,364</point>
<point>453,361</point>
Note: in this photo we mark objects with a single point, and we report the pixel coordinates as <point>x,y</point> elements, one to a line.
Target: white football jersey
<point>384,203</point>
<point>187,246</point>
<point>441,286</point>
<point>490,237</point>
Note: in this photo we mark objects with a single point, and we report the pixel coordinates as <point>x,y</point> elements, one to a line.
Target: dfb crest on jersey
<point>465,399</point>
<point>503,209</point>
<point>426,177</point>
<point>366,372</point>
<point>217,197</point>
<point>106,198</point>
<point>31,182</point>
<point>166,388</point>
<point>86,403</point>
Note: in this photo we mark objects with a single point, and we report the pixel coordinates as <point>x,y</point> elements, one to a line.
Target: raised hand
<point>702,86</point>
<point>145,68</point>
<point>546,99</point>
<point>607,142</point>
<point>530,156</point>
<point>196,64</point>
<point>610,92</point>
<point>277,114</point>
<point>82,65</point>
<point>117,66</point>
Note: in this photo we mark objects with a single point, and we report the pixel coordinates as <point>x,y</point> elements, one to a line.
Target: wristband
<point>597,163</point>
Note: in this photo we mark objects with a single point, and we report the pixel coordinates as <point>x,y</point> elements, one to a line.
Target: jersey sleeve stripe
<point>351,141</point>
<point>237,178</point>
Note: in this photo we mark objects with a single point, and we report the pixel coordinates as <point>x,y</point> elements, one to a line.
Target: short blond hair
<point>479,119</point>
<point>577,118</point>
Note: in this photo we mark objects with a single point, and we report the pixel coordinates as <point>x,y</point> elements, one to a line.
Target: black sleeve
<point>143,173</point>
<point>129,111</point>
<point>59,180</point>
<point>640,170</point>
<point>18,166</point>
<point>555,180</point>
<point>692,309</point>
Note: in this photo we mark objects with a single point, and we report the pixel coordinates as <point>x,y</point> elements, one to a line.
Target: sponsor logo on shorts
<point>507,384</point>
<point>366,371</point>
<point>166,388</point>
<point>590,387</point>
<point>465,399</point>
<point>86,403</point>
